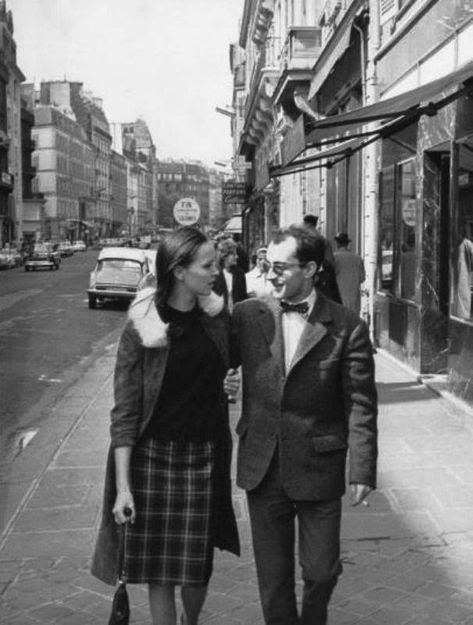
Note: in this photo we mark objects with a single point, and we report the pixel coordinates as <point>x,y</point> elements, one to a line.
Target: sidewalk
<point>407,557</point>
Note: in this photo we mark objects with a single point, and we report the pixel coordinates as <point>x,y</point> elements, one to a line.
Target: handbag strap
<point>121,547</point>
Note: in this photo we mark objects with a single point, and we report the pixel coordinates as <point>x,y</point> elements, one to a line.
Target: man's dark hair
<point>310,244</point>
<point>311,220</point>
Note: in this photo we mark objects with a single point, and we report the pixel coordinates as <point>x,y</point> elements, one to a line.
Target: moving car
<point>43,255</point>
<point>117,274</point>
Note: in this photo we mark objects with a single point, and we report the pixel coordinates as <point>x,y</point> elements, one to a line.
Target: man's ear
<point>311,269</point>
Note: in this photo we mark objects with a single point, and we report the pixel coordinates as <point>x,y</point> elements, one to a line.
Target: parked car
<point>79,246</point>
<point>117,274</point>
<point>6,261</point>
<point>43,255</point>
<point>65,248</point>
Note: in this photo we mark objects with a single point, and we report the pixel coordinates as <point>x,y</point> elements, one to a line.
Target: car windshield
<point>120,264</point>
<point>42,247</point>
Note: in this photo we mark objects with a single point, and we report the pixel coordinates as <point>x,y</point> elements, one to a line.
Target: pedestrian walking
<point>257,283</point>
<point>309,396</point>
<point>230,283</point>
<point>170,441</point>
<point>349,272</point>
<point>326,279</point>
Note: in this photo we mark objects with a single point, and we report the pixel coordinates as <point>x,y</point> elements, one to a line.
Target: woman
<point>170,440</point>
<point>230,282</point>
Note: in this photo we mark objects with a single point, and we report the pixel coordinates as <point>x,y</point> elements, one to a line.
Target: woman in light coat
<point>170,454</point>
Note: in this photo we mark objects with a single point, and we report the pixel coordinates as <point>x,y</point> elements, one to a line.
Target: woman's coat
<point>141,362</point>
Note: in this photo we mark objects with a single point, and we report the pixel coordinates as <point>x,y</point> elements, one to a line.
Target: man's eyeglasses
<point>280,268</point>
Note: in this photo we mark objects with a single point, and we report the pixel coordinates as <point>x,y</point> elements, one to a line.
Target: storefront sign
<point>234,192</point>
<point>186,211</point>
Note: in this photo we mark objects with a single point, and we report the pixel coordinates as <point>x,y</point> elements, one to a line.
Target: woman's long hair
<point>176,249</point>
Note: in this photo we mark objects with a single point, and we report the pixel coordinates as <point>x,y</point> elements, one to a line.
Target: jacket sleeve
<point>235,358</point>
<point>360,400</point>
<point>127,411</point>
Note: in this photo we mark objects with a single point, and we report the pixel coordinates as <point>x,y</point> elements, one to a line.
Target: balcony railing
<point>301,48</point>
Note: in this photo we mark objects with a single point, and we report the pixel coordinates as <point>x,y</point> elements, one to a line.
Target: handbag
<point>121,606</point>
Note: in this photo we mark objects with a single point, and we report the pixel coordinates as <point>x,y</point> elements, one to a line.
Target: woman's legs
<point>193,598</point>
<point>162,604</point>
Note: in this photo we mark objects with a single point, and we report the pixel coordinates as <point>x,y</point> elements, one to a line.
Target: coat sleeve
<point>127,411</point>
<point>360,400</point>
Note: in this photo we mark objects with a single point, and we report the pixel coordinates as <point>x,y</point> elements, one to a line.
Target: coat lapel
<point>314,330</point>
<point>270,322</point>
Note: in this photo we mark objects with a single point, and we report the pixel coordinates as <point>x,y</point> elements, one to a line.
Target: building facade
<point>359,111</point>
<point>64,161</point>
<point>118,193</point>
<point>33,213</point>
<point>183,179</point>
<point>11,194</point>
<point>138,147</point>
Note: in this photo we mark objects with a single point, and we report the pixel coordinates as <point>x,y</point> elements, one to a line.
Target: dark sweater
<point>189,406</point>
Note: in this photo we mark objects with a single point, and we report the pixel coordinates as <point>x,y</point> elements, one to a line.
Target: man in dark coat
<point>309,396</point>
<point>230,283</point>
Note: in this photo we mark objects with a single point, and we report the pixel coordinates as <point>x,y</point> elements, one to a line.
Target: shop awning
<point>233,224</point>
<point>349,132</point>
<point>324,158</point>
<point>426,99</point>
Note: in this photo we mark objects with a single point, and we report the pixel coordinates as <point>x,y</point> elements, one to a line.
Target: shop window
<point>386,230</point>
<point>462,252</point>
<point>407,230</point>
<point>397,254</point>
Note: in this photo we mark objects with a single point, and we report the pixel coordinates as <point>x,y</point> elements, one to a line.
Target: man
<point>230,282</point>
<point>349,272</point>
<point>308,396</point>
<point>257,283</point>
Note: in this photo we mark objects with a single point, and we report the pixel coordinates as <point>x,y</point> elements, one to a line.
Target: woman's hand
<point>124,508</point>
<point>231,383</point>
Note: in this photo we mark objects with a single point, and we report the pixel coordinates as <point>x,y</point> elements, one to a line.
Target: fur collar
<point>149,325</point>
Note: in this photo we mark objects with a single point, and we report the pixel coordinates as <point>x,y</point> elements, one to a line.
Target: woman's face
<point>198,278</point>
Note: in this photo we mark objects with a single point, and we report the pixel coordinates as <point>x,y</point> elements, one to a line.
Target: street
<point>48,336</point>
<point>406,557</point>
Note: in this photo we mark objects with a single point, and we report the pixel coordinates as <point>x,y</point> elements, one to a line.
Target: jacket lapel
<point>270,322</point>
<point>314,330</point>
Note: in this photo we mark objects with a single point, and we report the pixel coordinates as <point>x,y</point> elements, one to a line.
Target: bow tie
<point>302,308</point>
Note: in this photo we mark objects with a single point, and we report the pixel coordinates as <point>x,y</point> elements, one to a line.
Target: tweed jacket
<point>325,405</point>
<point>141,362</point>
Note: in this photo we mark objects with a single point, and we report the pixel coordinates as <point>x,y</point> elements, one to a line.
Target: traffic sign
<point>186,211</point>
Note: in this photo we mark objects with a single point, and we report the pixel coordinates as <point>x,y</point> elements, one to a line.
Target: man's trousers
<point>273,515</point>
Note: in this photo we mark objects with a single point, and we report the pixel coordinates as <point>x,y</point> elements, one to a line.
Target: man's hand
<point>359,493</point>
<point>231,383</point>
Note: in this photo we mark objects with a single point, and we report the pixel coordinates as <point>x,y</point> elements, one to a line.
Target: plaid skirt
<point>173,489</point>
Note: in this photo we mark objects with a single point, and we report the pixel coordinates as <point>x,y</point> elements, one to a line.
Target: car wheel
<point>92,301</point>
<point>27,268</point>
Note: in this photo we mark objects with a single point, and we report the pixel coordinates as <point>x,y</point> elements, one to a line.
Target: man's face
<point>262,262</point>
<point>291,281</point>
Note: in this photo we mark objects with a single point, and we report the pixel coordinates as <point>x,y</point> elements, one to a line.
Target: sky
<point>165,61</point>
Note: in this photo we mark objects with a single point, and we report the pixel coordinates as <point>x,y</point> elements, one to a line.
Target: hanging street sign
<point>234,192</point>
